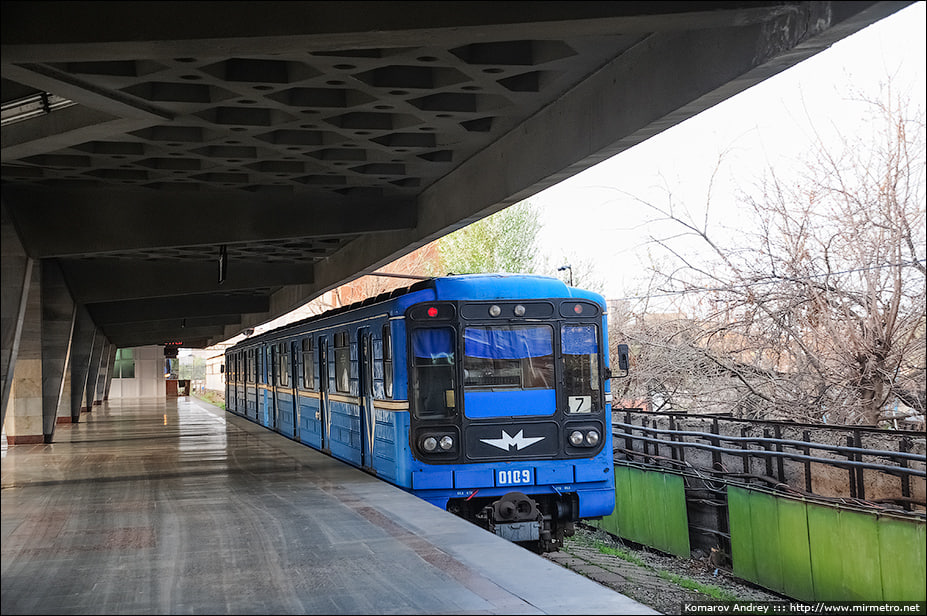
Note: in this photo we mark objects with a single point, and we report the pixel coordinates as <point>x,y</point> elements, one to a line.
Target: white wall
<point>215,376</point>
<point>149,376</point>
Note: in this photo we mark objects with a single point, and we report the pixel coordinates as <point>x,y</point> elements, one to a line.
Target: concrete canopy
<point>318,141</point>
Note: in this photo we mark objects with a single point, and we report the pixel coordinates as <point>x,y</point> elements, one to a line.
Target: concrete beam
<point>159,334</point>
<point>118,220</point>
<point>113,329</point>
<point>107,280</point>
<point>60,130</point>
<point>216,307</point>
<point>279,27</point>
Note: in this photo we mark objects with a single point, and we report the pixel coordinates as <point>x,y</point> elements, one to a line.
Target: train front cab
<point>510,409</point>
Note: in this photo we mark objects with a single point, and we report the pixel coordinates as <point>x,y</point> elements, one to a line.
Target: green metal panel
<point>862,569</point>
<point>640,512</point>
<point>764,517</point>
<point>812,551</point>
<point>794,551</point>
<point>743,560</point>
<point>903,549</point>
<point>675,516</point>
<point>650,509</point>
<point>651,489</point>
<point>828,550</point>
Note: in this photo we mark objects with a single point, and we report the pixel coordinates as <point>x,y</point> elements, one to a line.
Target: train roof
<point>472,287</point>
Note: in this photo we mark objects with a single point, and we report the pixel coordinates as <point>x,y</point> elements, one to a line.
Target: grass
<point>706,589</point>
<point>631,558</point>
<point>710,590</point>
<point>213,398</point>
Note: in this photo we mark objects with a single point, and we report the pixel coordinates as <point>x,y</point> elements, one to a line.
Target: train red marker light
<point>578,308</point>
<point>432,311</point>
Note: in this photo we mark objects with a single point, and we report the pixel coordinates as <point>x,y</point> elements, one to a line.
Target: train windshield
<point>580,352</point>
<point>509,370</point>
<point>433,368</point>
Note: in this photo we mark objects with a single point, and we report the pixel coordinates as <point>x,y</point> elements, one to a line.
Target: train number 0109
<point>509,478</point>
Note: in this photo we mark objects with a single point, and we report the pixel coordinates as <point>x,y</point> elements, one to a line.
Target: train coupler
<point>515,517</point>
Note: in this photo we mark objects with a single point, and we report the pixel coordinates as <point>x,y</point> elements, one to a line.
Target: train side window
<point>433,370</point>
<point>580,354</point>
<point>284,366</point>
<point>308,367</point>
<point>387,361</point>
<point>342,363</point>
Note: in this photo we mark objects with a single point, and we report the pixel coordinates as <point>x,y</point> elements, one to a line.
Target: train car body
<point>486,395</point>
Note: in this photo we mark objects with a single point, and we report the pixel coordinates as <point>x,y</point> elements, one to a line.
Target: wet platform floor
<point>174,506</point>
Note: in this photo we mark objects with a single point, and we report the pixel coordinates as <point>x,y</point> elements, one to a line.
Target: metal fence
<point>740,488</point>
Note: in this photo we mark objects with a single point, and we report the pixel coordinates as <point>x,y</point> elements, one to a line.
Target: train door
<point>260,360</point>
<point>365,396</point>
<point>240,401</point>
<point>294,385</point>
<point>323,394</point>
<point>250,384</point>
<point>270,410</point>
<point>254,392</point>
<point>229,383</point>
<point>307,396</point>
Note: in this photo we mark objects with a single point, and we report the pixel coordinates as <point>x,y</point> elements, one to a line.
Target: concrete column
<point>58,318</point>
<point>16,283</point>
<point>103,373</point>
<point>24,421</point>
<point>63,416</point>
<point>111,364</point>
<point>81,350</point>
<point>93,372</point>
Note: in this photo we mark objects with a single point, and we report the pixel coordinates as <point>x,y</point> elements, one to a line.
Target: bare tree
<point>816,312</point>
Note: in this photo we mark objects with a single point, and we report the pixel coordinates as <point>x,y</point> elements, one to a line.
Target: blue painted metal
<point>345,424</point>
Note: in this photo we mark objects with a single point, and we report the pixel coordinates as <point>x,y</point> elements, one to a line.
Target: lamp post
<point>567,267</point>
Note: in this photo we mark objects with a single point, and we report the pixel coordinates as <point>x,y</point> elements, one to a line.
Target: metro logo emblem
<point>519,441</point>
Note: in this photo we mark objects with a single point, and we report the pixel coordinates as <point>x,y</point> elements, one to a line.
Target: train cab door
<point>365,396</point>
<point>323,394</point>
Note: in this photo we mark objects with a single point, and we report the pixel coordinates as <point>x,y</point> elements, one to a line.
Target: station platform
<point>173,506</point>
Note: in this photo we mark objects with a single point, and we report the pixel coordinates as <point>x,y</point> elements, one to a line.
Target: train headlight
<point>592,437</point>
<point>446,442</point>
<point>576,438</point>
<point>430,443</point>
<point>495,310</point>
<point>519,310</point>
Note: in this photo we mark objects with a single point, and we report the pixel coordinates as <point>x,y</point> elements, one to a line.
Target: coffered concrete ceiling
<point>318,141</point>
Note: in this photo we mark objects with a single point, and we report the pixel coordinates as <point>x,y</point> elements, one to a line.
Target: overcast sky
<point>588,219</point>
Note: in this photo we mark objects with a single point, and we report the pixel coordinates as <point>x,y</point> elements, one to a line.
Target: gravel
<point>649,580</point>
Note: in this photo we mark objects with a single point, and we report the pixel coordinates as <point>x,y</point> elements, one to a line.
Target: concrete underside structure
<point>304,144</point>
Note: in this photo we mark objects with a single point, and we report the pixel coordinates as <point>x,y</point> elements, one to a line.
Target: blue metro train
<point>486,395</point>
